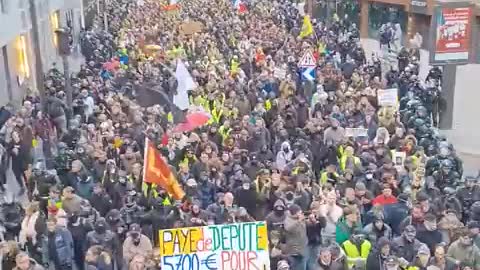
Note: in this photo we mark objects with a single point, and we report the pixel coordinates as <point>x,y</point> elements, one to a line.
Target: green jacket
<point>343,232</point>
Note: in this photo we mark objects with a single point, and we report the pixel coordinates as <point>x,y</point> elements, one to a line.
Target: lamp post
<point>329,7</point>
<point>38,56</point>
<point>64,51</point>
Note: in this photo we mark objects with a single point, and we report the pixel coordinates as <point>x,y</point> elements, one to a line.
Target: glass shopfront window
<point>380,14</point>
<point>351,8</point>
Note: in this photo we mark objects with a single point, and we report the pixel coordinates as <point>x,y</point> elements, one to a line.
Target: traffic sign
<point>308,74</point>
<point>307,60</point>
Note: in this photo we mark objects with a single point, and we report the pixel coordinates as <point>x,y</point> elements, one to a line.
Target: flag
<point>307,28</point>
<point>157,171</point>
<point>240,6</point>
<point>185,84</point>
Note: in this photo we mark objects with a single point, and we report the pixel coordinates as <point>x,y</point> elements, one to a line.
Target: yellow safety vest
<point>343,161</point>
<point>268,105</point>
<point>170,117</point>
<point>216,116</point>
<point>153,190</point>
<point>224,132</point>
<point>324,177</point>
<point>353,254</point>
<point>234,65</point>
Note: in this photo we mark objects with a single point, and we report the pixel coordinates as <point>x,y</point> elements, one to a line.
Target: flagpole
<point>145,153</point>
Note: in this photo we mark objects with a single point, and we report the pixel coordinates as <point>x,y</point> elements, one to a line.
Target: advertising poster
<point>453,33</point>
<point>237,246</point>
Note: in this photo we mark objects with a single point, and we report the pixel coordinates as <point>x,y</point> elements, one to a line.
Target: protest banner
<point>279,73</point>
<point>356,132</point>
<point>388,97</point>
<point>237,246</point>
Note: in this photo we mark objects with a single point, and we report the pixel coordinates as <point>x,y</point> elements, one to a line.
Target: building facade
<point>17,43</point>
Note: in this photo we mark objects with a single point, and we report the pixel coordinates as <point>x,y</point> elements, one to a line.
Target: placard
<point>224,247</point>
<point>190,28</point>
<point>356,132</point>
<point>388,97</point>
<point>279,73</point>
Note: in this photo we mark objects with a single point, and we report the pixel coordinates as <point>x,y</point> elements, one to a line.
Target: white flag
<point>185,83</point>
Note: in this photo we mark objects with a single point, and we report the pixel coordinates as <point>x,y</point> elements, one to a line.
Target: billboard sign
<point>221,247</point>
<point>453,30</point>
<point>419,6</point>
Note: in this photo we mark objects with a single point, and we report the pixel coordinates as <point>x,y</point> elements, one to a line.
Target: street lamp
<point>63,38</point>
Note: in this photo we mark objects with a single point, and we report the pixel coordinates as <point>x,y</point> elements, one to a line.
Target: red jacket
<point>382,200</point>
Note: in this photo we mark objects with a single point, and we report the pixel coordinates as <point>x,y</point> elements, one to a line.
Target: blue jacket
<point>207,194</point>
<point>63,245</point>
<point>394,215</point>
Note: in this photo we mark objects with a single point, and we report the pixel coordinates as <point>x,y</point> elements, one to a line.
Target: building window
<point>22,57</point>
<point>3,6</point>
<point>55,24</point>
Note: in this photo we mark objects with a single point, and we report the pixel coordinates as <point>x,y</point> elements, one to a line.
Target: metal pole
<point>68,83</point>
<point>105,21</point>
<point>329,11</point>
<point>39,79</point>
<point>82,15</point>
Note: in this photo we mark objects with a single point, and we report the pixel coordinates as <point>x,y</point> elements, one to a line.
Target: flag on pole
<point>240,6</point>
<point>185,83</point>
<point>307,28</point>
<point>157,171</point>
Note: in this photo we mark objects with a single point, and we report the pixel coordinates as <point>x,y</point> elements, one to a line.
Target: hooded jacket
<point>276,219</point>
<point>283,158</point>
<point>374,234</point>
<point>376,260</point>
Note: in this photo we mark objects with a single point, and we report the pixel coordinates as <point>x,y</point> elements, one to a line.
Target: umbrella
<point>198,118</point>
<point>193,121</point>
<point>149,94</point>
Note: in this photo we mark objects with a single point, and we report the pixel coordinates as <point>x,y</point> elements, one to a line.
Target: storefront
<point>409,16</point>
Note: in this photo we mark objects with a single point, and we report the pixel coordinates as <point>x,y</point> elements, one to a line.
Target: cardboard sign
<point>222,247</point>
<point>388,97</point>
<point>190,28</point>
<point>398,158</point>
<point>356,132</point>
<point>279,73</point>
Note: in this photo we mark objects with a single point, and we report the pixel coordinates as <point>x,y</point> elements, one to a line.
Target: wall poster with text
<point>453,34</point>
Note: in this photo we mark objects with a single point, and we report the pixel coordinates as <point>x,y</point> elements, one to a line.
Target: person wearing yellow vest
<point>348,160</point>
<point>357,249</point>
<point>234,65</point>
<point>329,175</point>
<point>225,130</point>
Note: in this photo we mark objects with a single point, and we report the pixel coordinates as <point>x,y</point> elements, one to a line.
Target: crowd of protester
<point>280,149</point>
